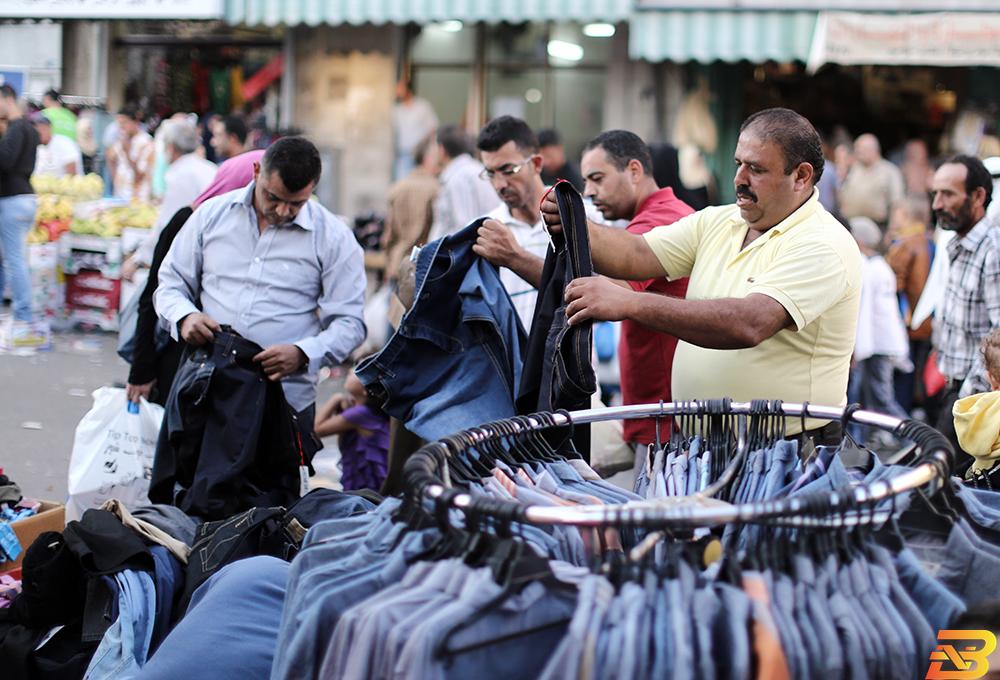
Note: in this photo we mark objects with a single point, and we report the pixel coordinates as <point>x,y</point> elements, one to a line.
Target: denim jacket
<point>455,361</point>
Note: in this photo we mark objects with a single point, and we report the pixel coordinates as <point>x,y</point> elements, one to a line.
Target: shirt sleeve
<point>978,377</point>
<point>341,304</point>
<point>806,279</point>
<point>676,245</point>
<point>180,274</point>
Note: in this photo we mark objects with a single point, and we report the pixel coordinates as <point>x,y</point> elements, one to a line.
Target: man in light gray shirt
<point>278,268</point>
<point>464,195</point>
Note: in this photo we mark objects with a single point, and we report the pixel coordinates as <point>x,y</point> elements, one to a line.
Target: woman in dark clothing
<point>153,370</point>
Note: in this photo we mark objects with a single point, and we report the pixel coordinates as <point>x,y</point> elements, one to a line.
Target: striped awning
<point>334,12</point>
<point>707,36</point>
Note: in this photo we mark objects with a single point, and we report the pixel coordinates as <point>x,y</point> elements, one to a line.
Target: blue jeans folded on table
<point>455,361</point>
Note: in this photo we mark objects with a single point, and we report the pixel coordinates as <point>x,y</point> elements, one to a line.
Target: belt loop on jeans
<point>572,212</point>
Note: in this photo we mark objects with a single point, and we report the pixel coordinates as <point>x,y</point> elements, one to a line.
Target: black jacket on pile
<point>229,440</point>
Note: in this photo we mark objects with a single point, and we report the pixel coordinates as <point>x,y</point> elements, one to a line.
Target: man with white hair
<point>187,177</point>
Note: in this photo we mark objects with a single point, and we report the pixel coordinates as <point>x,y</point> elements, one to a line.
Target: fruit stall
<point>75,253</point>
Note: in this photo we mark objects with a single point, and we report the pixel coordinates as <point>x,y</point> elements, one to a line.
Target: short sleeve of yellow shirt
<point>807,280</point>
<point>676,246</point>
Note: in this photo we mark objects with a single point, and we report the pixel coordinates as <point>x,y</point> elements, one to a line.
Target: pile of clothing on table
<point>106,597</point>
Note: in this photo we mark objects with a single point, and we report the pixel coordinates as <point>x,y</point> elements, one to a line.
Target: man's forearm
<point>620,254</point>
<point>724,323</point>
<point>528,267</point>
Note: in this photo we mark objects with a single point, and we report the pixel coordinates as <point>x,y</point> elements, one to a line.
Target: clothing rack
<point>931,470</point>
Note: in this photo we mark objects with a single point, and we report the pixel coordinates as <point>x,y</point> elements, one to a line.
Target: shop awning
<point>707,36</point>
<point>929,39</point>
<point>334,12</point>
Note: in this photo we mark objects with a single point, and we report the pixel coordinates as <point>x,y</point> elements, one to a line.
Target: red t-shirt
<point>646,358</point>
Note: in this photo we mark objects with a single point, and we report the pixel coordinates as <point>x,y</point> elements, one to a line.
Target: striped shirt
<point>463,198</point>
<point>534,239</point>
<point>970,307</point>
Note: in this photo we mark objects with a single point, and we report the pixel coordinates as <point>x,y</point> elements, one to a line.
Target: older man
<point>872,184</point>
<point>187,176</point>
<point>774,280</point>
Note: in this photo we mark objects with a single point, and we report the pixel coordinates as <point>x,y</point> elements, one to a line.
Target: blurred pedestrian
<point>872,185</point>
<point>363,435</point>
<point>57,155</point>
<point>916,167</point>
<point>880,346</point>
<point>18,204</point>
<point>514,236</point>
<point>63,120</point>
<point>911,252</point>
<point>413,119</point>
<point>465,194</point>
<point>154,362</point>
<point>555,165</point>
<point>229,136</point>
<point>187,176</point>
<point>410,212</point>
<point>131,157</point>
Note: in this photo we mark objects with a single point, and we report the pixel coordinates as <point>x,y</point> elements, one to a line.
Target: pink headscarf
<point>235,173</point>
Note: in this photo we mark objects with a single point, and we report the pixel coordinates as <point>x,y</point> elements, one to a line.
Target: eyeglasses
<point>504,171</point>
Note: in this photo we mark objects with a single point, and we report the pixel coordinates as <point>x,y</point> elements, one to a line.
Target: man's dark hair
<point>793,132</point>
<point>549,137</point>
<point>976,175</point>
<point>8,91</point>
<point>235,125</point>
<point>130,111</point>
<point>454,140</point>
<point>504,129</point>
<point>53,95</point>
<point>421,149</point>
<point>295,159</point>
<point>622,146</point>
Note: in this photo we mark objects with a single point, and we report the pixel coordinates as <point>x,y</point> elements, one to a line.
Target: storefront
<point>546,62</point>
<point>901,76</point>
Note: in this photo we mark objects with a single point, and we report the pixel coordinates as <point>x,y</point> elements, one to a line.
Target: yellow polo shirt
<point>809,263</point>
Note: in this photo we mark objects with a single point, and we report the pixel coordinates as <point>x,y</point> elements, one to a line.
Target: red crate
<point>94,290</point>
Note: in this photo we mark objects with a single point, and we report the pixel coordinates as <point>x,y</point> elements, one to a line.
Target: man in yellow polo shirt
<point>775,280</point>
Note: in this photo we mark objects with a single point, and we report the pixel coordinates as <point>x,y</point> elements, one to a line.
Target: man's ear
<point>804,175</point>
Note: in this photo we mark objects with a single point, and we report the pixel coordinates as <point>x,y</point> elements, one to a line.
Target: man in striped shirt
<point>514,238</point>
<point>970,308</point>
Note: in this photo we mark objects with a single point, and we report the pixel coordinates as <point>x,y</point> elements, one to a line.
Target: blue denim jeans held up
<point>455,361</point>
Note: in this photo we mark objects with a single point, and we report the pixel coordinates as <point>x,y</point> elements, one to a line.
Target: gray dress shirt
<point>302,283</point>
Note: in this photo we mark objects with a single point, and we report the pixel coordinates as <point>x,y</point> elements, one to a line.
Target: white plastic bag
<point>377,320</point>
<point>112,453</point>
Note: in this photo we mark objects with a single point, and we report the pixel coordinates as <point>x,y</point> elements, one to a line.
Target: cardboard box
<point>51,517</point>
<point>93,289</point>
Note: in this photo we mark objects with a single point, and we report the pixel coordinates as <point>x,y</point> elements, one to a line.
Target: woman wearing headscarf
<point>153,369</point>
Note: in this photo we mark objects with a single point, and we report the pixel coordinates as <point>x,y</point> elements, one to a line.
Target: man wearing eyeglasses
<point>514,238</point>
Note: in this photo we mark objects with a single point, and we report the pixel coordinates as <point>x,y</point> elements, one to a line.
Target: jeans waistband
<point>573,217</point>
<point>231,345</point>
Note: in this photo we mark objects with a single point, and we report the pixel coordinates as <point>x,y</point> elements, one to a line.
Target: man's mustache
<point>743,191</point>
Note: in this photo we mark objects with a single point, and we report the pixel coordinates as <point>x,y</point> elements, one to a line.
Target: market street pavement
<point>43,397</point>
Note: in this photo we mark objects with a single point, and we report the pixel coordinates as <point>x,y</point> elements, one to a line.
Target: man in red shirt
<point>618,174</point>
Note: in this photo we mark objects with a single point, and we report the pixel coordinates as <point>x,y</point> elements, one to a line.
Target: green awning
<point>334,12</point>
<point>707,36</point>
